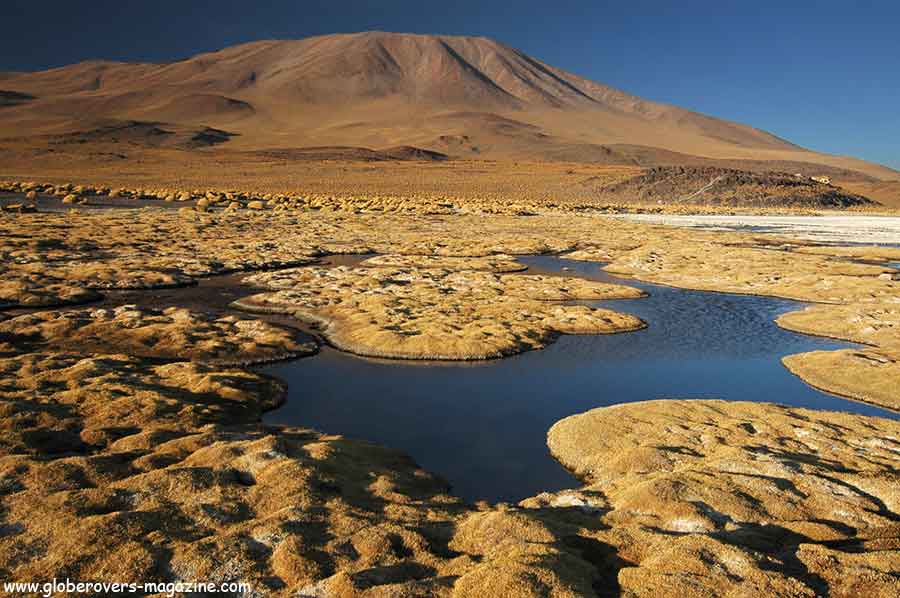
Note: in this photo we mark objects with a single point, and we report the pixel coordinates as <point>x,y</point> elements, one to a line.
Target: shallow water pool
<point>483,425</point>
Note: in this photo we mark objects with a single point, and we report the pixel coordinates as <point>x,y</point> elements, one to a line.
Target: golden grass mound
<point>870,323</point>
<point>711,266</point>
<point>860,252</point>
<point>868,375</point>
<point>724,498</point>
<point>125,273</point>
<point>59,402</point>
<point>41,291</point>
<point>138,249</point>
<point>172,333</point>
<point>493,263</point>
<point>438,314</point>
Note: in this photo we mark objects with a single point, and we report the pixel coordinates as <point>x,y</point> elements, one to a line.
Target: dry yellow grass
<point>148,470</point>
<point>435,313</point>
<point>495,263</point>
<point>221,177</point>
<point>160,173</point>
<point>713,474</point>
<point>868,322</point>
<point>710,266</point>
<point>866,253</point>
<point>868,375</point>
<point>171,333</point>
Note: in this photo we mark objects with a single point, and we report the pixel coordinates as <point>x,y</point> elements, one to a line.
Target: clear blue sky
<point>822,74</point>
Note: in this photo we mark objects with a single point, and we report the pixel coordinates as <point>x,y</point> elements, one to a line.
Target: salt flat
<point>845,228</point>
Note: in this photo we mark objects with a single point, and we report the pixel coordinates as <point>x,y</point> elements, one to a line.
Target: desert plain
<point>144,283</point>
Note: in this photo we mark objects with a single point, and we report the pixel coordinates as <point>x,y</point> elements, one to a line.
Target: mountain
<point>461,96</point>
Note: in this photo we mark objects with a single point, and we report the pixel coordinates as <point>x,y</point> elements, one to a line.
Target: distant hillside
<point>404,152</point>
<point>144,134</point>
<point>725,187</point>
<point>460,96</point>
<point>884,192</point>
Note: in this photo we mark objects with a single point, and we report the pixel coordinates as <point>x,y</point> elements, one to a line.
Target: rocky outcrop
<point>708,185</point>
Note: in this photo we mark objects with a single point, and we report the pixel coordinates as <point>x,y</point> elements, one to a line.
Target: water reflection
<point>483,425</point>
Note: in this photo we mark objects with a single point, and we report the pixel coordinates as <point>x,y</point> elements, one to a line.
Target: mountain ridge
<point>381,89</point>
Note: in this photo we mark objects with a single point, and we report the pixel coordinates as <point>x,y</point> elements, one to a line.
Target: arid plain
<point>131,440</point>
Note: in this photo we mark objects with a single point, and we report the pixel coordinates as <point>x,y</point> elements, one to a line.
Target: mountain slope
<point>460,95</point>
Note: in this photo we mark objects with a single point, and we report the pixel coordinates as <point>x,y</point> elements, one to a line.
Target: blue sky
<point>822,74</point>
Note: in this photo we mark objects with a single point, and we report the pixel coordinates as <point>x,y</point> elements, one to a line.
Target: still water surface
<point>483,425</point>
